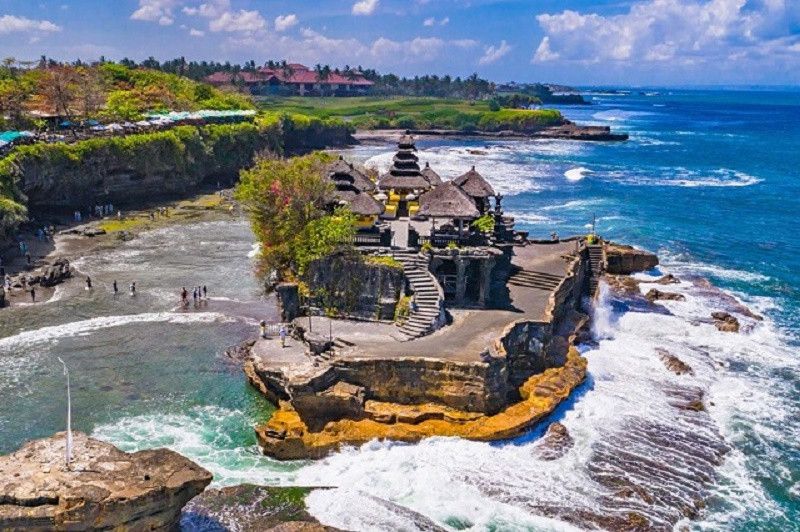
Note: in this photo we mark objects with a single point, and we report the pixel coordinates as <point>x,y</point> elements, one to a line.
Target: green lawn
<point>372,112</point>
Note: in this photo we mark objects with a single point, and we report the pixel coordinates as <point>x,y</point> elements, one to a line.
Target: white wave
<point>574,205</point>
<point>203,434</point>
<point>684,265</point>
<point>577,174</point>
<point>682,177</point>
<point>618,115</point>
<point>85,327</point>
<point>530,218</point>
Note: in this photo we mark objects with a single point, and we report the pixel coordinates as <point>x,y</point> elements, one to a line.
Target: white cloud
<point>493,53</point>
<point>12,24</point>
<point>240,21</point>
<point>155,11</point>
<point>284,22</point>
<point>196,33</point>
<point>465,43</point>
<point>365,7</point>
<point>431,21</point>
<point>688,32</point>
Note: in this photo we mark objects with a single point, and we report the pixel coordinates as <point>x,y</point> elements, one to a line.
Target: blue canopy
<point>66,123</point>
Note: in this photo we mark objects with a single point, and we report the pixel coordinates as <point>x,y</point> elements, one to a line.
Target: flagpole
<point>68,449</point>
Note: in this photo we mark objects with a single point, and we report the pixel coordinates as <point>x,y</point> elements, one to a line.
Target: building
<point>294,79</point>
<point>403,183</point>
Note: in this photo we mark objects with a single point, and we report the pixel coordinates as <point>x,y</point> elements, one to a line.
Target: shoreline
<point>569,131</point>
<point>73,239</point>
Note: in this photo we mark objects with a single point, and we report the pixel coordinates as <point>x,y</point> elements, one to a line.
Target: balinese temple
<point>477,188</point>
<point>404,182</point>
<point>355,190</point>
<point>430,176</point>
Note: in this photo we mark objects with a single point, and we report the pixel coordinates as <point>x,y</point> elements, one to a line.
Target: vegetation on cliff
<point>287,201</point>
<point>418,113</point>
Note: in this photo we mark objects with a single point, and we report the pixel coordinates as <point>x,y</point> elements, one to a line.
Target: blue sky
<point>588,42</point>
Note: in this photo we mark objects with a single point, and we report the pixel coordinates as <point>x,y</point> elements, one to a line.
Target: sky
<point>580,42</point>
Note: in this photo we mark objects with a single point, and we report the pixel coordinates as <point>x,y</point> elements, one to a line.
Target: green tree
<point>123,105</point>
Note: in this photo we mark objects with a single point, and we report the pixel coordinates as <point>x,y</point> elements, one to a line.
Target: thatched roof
<point>430,176</point>
<point>447,201</point>
<point>366,205</point>
<point>344,175</point>
<point>407,141</point>
<point>403,182</point>
<point>474,185</point>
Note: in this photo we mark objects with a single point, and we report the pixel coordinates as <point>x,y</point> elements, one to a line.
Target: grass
<point>384,260</point>
<point>373,112</point>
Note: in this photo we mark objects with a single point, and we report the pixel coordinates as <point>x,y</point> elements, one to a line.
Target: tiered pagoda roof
<point>405,172</point>
<point>354,188</point>
<point>475,185</point>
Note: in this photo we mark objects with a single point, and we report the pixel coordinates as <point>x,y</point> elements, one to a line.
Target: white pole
<point>68,450</point>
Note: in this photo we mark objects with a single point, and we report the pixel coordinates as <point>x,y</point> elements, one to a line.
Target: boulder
<point>93,232</point>
<point>673,363</point>
<point>625,260</point>
<point>105,488</point>
<point>340,401</point>
<point>55,273</point>
<point>657,295</point>
<point>725,322</point>
<point>556,442</point>
<point>668,279</point>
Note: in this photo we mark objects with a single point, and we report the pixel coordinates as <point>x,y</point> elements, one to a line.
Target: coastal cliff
<point>104,488</point>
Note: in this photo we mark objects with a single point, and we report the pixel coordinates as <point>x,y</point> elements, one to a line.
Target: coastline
<point>569,131</point>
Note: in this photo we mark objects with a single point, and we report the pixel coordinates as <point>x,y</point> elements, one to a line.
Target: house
<point>294,78</point>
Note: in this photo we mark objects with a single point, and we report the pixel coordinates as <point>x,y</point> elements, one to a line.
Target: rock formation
<point>725,322</point>
<point>287,437</point>
<point>668,279</point>
<point>625,260</point>
<point>105,488</point>
<point>249,508</point>
<point>657,295</point>
<point>673,363</point>
<point>556,442</point>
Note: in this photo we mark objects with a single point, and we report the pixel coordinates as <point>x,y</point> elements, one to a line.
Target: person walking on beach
<point>184,296</point>
<point>205,292</point>
<point>33,295</point>
<point>194,296</point>
<point>263,327</point>
<point>116,290</point>
<point>282,333</point>
<point>88,283</point>
<point>133,288</point>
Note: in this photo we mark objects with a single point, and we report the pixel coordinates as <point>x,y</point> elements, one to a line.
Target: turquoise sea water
<point>709,180</point>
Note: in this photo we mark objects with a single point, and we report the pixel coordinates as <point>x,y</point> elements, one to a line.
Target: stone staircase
<point>596,265</point>
<point>427,295</point>
<point>535,280</point>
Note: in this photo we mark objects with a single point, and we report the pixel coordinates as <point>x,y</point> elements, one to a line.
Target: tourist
<point>21,246</point>
<point>133,288</point>
<point>184,296</point>
<point>263,327</point>
<point>33,295</point>
<point>194,296</point>
<point>116,290</point>
<point>205,292</point>
<point>119,215</point>
<point>282,333</point>
<point>88,283</point>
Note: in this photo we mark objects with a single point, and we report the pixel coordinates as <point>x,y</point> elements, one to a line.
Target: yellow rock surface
<point>286,437</point>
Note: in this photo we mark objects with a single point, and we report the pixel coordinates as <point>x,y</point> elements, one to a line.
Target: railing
<point>441,240</point>
<point>274,329</point>
<point>383,239</point>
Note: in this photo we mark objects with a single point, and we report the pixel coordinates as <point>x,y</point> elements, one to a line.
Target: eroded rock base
<point>285,436</point>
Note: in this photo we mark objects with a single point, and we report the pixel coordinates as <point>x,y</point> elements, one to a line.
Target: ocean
<point>708,180</point>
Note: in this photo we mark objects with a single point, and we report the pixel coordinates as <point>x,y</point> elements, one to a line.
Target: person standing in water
<point>184,296</point>
<point>88,283</point>
<point>133,288</point>
<point>33,295</point>
<point>205,292</point>
<point>116,290</point>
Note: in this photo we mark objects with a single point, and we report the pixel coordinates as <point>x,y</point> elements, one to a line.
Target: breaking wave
<point>577,174</point>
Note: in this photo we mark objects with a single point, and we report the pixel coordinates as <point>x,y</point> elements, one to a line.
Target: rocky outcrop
<point>556,442</point>
<point>349,285</point>
<point>286,437</point>
<point>249,508</point>
<point>626,260</point>
<point>657,295</point>
<point>105,488</point>
<point>668,279</point>
<point>725,322</point>
<point>55,273</point>
<point>673,363</point>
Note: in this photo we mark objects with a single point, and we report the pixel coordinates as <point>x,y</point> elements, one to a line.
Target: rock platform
<point>104,489</point>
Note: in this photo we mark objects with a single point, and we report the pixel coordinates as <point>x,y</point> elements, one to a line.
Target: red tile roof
<point>297,74</point>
